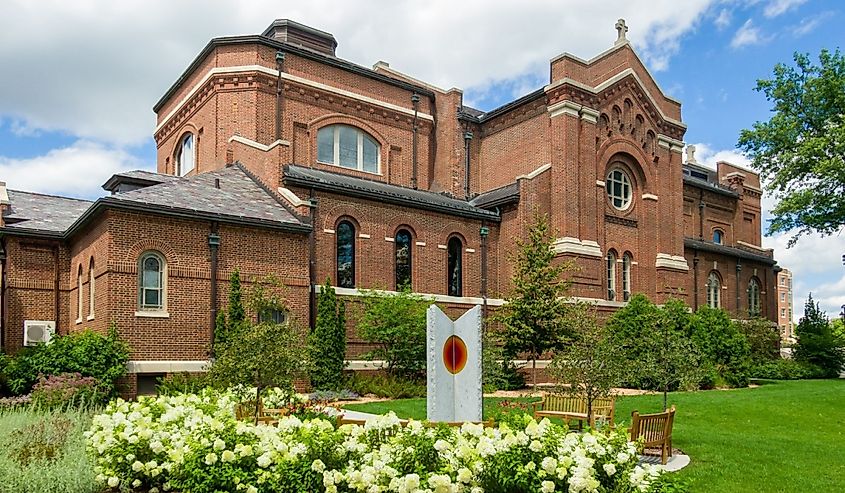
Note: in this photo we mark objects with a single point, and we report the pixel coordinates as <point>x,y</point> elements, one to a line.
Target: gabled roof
<point>229,195</point>
<point>40,213</point>
<point>498,196</point>
<point>383,192</point>
<point>136,177</point>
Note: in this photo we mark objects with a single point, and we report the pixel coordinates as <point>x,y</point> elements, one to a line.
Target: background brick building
<point>277,157</point>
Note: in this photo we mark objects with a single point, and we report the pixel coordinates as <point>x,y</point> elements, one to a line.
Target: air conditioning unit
<point>35,331</point>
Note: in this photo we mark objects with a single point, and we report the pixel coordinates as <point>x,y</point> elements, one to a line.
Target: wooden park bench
<point>655,431</point>
<point>574,408</point>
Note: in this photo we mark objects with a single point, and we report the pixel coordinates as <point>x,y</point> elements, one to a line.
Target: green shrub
<point>44,452</point>
<point>396,325</point>
<point>66,390</point>
<point>763,338</point>
<point>88,353</point>
<point>182,383</point>
<point>385,385</point>
<point>785,369</point>
<point>4,365</point>
<point>722,344</point>
<point>818,344</point>
<point>327,343</point>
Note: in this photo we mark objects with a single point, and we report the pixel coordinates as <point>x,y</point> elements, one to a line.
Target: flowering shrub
<point>193,443</point>
<point>65,389</point>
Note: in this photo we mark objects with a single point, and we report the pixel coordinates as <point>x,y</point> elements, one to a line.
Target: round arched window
<point>619,189</point>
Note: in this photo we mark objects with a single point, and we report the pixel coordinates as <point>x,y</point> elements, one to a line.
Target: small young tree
<point>229,321</point>
<point>262,355</point>
<point>534,319</point>
<point>659,353</point>
<point>722,344</point>
<point>592,363</point>
<point>327,343</point>
<point>817,343</point>
<point>396,325</point>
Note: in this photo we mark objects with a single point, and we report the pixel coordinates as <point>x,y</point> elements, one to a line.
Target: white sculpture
<point>454,366</point>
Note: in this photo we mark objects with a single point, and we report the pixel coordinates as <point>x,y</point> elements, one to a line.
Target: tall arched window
<point>79,294</point>
<point>753,297</point>
<point>718,236</point>
<point>402,257</point>
<point>455,266</point>
<point>345,255</point>
<point>347,147</point>
<point>91,289</point>
<point>626,276</point>
<point>151,282</point>
<point>185,155</point>
<point>714,291</point>
<point>611,275</point>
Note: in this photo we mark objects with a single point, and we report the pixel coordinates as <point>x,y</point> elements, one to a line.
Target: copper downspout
<point>213,246</point>
<point>467,140</point>
<point>56,285</point>
<point>312,263</point>
<point>415,100</point>
<point>280,59</point>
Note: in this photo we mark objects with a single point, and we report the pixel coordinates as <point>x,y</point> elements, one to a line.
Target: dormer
<point>294,33</point>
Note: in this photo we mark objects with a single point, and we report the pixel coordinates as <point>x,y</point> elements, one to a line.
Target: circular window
<point>619,189</point>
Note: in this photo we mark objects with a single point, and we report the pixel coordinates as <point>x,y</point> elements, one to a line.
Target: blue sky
<point>78,85</point>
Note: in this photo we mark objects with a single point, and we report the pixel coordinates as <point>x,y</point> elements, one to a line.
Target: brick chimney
<point>4,202</point>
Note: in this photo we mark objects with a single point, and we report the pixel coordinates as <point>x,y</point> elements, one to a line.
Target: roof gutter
<point>288,48</point>
<point>329,187</point>
<point>726,250</point>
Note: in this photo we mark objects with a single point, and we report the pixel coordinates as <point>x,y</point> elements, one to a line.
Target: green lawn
<point>779,437</point>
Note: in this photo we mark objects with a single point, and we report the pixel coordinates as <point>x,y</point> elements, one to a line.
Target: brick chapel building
<point>277,157</point>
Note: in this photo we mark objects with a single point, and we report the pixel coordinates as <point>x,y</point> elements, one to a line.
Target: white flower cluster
<point>164,444</point>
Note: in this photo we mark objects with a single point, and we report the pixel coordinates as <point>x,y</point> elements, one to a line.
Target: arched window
<point>345,255</point>
<point>714,291</point>
<point>718,236</point>
<point>619,190</point>
<point>611,275</point>
<point>347,147</point>
<point>151,282</point>
<point>79,294</point>
<point>185,155</point>
<point>753,297</point>
<point>455,266</point>
<point>91,289</point>
<point>402,257</point>
<point>626,276</point>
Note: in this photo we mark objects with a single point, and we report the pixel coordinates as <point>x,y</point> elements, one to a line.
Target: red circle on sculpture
<point>454,354</point>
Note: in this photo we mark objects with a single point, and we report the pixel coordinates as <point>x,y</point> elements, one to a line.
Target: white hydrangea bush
<point>194,444</point>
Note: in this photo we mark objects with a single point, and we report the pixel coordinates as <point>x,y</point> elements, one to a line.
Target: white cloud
<point>77,170</point>
<point>93,69</point>
<point>778,7</point>
<point>723,20</point>
<point>808,24</point>
<point>707,156</point>
<point>748,35</point>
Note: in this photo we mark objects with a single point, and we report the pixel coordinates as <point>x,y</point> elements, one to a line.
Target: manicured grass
<point>779,437</point>
<point>44,452</point>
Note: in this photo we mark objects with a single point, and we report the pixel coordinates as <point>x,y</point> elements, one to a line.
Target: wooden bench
<point>573,408</point>
<point>655,431</point>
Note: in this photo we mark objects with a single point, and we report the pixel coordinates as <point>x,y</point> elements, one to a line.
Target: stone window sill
<point>90,317</point>
<point>152,314</point>
<point>78,321</point>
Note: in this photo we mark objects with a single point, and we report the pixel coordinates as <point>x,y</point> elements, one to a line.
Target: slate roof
<point>707,185</point>
<point>708,246</point>
<point>498,196</point>
<point>138,176</point>
<point>240,198</point>
<point>29,211</point>
<point>393,194</point>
